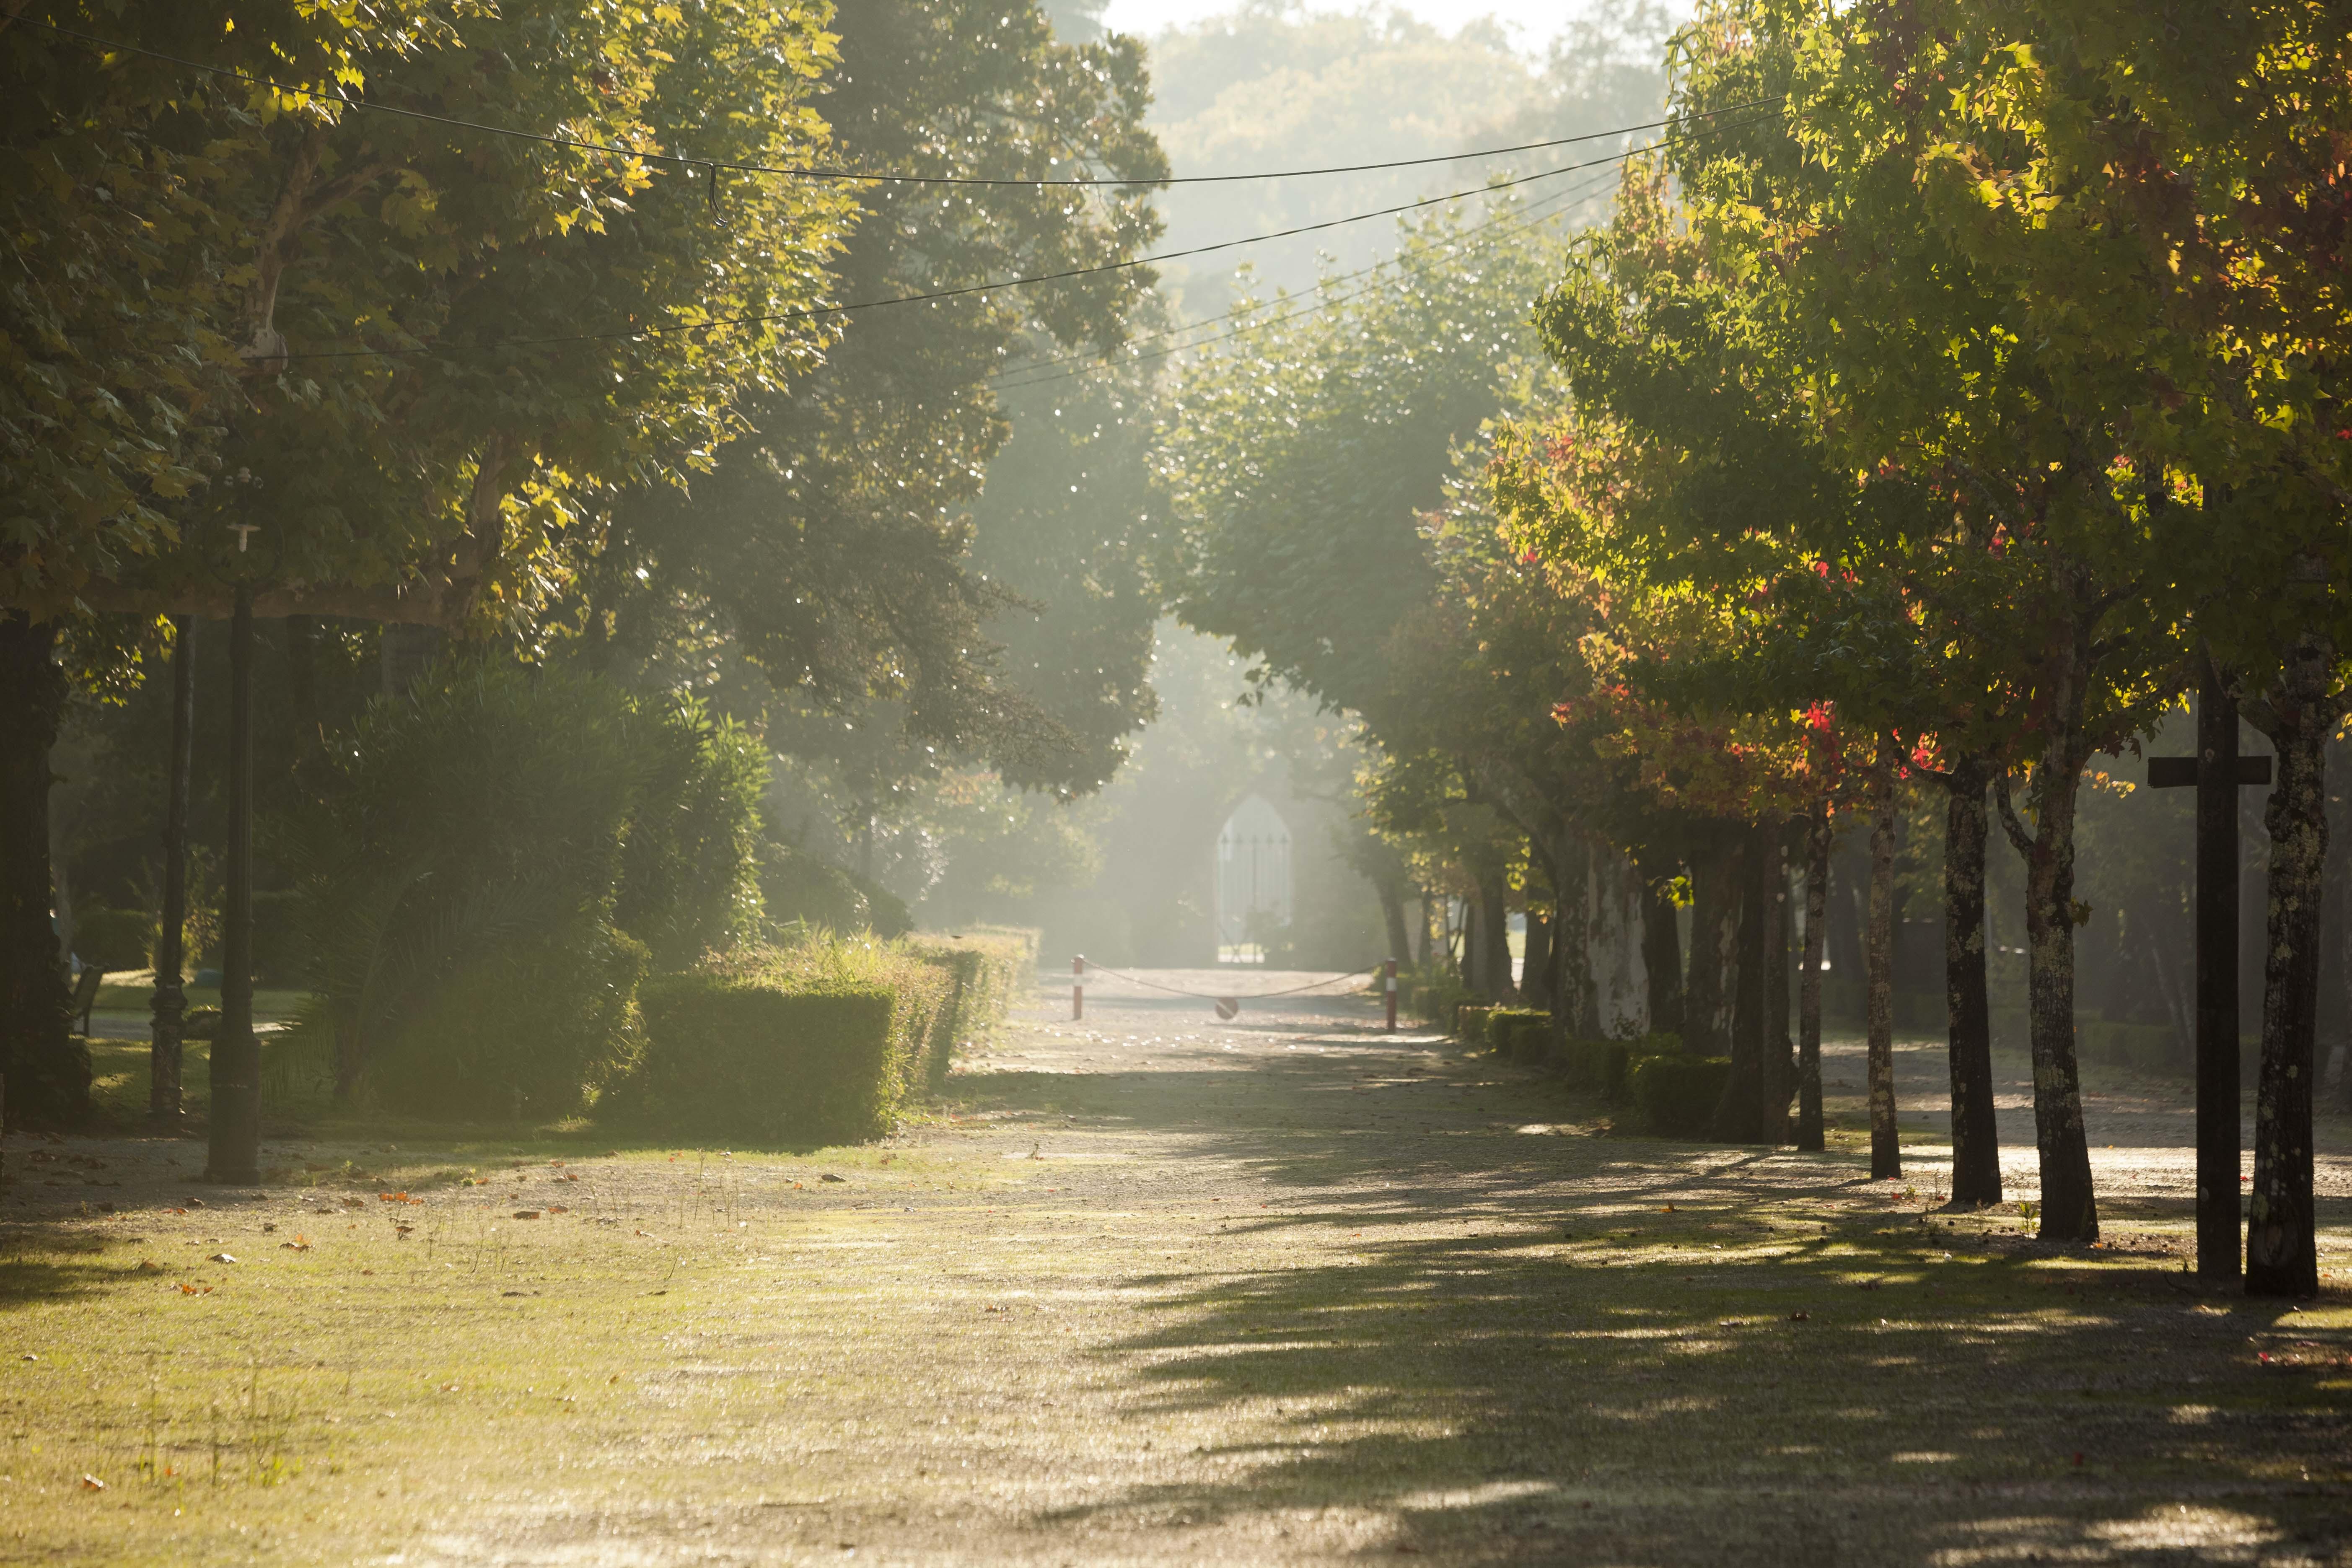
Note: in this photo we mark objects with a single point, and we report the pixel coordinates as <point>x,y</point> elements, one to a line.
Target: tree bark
<point>1709,994</point>
<point>1975,1134</point>
<point>169,1007</point>
<point>2281,1256</point>
<point>1739,1114</point>
<point>48,1071</point>
<point>1535,969</point>
<point>1878,1002</point>
<point>1391,896</point>
<point>1779,1059</point>
<point>1809,978</point>
<point>1494,936</point>
<point>2069,1209</point>
<point>1661,954</point>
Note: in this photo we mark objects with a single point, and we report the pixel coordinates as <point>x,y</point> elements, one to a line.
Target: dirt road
<point>1161,1289</point>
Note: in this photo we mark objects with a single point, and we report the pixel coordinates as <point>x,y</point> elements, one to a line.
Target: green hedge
<point>1599,1067</point>
<point>986,969</point>
<point>1502,1025</point>
<point>1470,1021</point>
<point>734,1055</point>
<point>113,938</point>
<point>788,1045</point>
<point>1677,1095</point>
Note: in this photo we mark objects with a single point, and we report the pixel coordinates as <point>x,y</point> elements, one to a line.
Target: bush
<point>768,1060</point>
<point>986,969</point>
<point>797,886</point>
<point>1503,1022</point>
<point>467,876</point>
<point>113,938</point>
<point>1677,1095</point>
<point>786,1044</point>
<point>1431,993</point>
<point>1470,1021</point>
<point>281,939</point>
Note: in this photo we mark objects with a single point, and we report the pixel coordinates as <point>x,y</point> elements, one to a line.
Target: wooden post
<point>1077,988</point>
<point>2217,771</point>
<point>1391,996</point>
<point>235,1153</point>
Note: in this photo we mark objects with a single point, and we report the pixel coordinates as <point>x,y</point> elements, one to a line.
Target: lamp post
<point>234,1152</point>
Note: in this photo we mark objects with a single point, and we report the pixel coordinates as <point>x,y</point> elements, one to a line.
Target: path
<point>1283,1290</point>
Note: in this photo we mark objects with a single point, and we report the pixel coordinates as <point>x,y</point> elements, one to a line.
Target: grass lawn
<point>1146,1290</point>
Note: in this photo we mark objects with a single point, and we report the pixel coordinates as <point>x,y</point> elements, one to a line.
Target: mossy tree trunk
<point>1739,1114</point>
<point>47,1073</point>
<point>1975,1133</point>
<point>1809,977</point>
<point>1780,1064</point>
<point>2069,1209</point>
<point>1662,950</point>
<point>1878,1000</point>
<point>2281,1256</point>
<point>1709,993</point>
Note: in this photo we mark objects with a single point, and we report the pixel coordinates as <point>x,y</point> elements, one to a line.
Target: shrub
<point>784,1044</point>
<point>1431,993</point>
<point>986,969</point>
<point>767,1060</point>
<point>469,877</point>
<point>1470,1021</point>
<point>797,886</point>
<point>1677,1095</point>
<point>113,938</point>
<point>281,938</point>
<point>1502,1024</point>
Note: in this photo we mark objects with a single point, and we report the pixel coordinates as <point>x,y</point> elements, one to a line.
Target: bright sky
<point>1535,21</point>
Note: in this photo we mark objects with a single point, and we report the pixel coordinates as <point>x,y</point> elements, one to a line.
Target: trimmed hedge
<point>821,1041</point>
<point>1470,1021</point>
<point>732,1053</point>
<point>1599,1067</point>
<point>986,969</point>
<point>1677,1095</point>
<point>1502,1027</point>
<point>113,938</point>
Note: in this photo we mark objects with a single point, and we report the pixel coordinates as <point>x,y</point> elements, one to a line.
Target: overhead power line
<point>1005,380</point>
<point>821,172</point>
<point>821,312</point>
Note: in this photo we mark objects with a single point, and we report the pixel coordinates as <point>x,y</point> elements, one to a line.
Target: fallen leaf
<point>829,1176</point>
<point>526,1213</point>
<point>1800,1317</point>
<point>149,1266</point>
<point>557,1208</point>
<point>300,1244</point>
<point>92,1484</point>
<point>220,1258</point>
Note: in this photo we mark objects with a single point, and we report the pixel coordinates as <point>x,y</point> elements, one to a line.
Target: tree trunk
<point>48,1071</point>
<point>2344,1052</point>
<point>1709,994</point>
<point>1779,1059</point>
<point>1391,896</point>
<point>169,1007</point>
<point>1739,1114</point>
<point>1494,936</point>
<point>2069,1210</point>
<point>1878,1000</point>
<point>1809,978</point>
<point>1535,969</point>
<point>2282,1257</point>
<point>1975,1134</point>
<point>1661,954</point>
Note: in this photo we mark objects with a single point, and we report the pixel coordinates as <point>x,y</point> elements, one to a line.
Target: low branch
<point>2010,823</point>
<point>420,604</point>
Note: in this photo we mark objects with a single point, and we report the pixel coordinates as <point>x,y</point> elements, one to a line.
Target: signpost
<point>2217,772</point>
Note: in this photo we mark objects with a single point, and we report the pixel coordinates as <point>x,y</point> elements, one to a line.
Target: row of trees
<point>1954,386</point>
<point>480,330</point>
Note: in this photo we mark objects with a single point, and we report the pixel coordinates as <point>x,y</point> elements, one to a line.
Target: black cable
<point>731,166</point>
<point>1321,302</point>
<point>820,313</point>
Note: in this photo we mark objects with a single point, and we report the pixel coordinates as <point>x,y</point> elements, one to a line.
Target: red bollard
<point>1392,997</point>
<point>1077,988</point>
